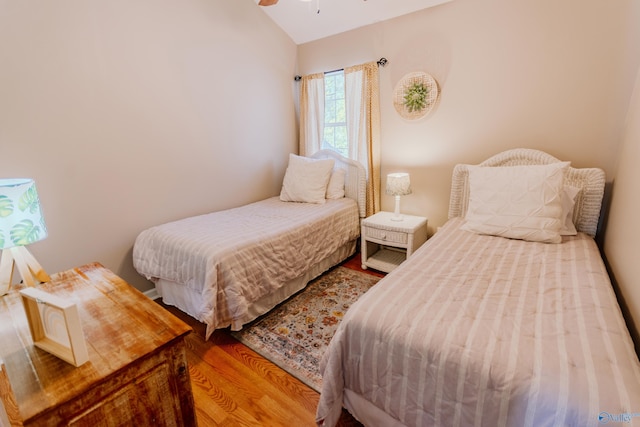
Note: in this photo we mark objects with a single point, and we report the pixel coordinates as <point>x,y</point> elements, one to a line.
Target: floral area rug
<point>295,334</point>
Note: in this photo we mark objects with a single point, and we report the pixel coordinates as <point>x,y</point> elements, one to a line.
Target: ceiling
<point>305,21</point>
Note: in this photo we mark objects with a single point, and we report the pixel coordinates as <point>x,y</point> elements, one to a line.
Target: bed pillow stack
<point>335,188</point>
<point>569,197</point>
<point>520,202</point>
<point>306,180</point>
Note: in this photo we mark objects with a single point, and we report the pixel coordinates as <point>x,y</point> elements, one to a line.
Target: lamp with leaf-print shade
<point>21,224</point>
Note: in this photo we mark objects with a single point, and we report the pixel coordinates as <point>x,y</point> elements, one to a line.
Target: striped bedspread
<point>485,331</point>
<point>234,257</point>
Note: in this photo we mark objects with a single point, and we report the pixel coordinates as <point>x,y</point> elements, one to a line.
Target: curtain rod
<point>381,63</point>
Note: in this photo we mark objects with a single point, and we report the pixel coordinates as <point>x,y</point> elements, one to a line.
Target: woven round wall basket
<point>415,95</point>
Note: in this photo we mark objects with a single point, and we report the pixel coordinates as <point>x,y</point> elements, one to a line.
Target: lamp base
<point>28,267</point>
<point>396,213</point>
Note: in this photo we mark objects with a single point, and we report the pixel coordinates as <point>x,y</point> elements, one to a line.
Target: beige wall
<point>555,76</point>
<point>130,114</point>
<point>622,238</point>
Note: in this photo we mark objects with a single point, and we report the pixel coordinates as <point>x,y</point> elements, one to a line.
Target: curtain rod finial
<point>382,62</point>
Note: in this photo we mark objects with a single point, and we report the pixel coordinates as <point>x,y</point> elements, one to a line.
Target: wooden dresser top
<point>120,326</point>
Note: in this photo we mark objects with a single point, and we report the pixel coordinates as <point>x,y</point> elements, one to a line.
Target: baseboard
<point>152,294</point>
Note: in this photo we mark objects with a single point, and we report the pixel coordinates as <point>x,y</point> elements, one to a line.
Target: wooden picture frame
<point>55,325</point>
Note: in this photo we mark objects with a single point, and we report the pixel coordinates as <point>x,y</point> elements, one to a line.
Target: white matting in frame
<point>55,325</point>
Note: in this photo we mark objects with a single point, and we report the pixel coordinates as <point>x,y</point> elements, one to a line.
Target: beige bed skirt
<point>189,301</point>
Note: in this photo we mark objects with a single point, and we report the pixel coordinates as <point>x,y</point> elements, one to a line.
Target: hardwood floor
<point>234,386</point>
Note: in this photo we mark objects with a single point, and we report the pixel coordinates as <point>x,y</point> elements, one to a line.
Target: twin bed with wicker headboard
<point>505,317</point>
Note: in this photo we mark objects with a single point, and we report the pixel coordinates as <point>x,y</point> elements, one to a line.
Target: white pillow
<point>335,189</point>
<point>306,179</point>
<point>569,195</point>
<point>517,202</point>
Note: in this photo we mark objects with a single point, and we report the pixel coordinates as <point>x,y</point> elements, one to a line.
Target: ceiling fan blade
<point>267,2</point>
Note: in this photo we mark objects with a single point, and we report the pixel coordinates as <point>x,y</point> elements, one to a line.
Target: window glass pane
<point>341,140</point>
<point>329,112</point>
<point>329,135</point>
<point>335,118</point>
<point>340,111</point>
<point>329,85</point>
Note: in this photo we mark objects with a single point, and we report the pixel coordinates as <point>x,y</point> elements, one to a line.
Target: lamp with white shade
<point>398,184</point>
<point>21,224</point>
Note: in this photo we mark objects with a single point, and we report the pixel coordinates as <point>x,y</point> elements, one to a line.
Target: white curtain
<point>356,115</point>
<point>311,113</point>
<point>363,125</point>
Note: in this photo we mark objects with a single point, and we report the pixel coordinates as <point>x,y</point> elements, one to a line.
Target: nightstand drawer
<point>385,235</point>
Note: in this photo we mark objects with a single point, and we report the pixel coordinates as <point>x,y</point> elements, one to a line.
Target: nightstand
<point>386,243</point>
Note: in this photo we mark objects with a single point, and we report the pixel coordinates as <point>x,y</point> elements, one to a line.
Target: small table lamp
<point>398,184</point>
<point>21,223</point>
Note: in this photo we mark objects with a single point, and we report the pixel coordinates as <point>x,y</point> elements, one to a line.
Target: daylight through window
<point>335,117</point>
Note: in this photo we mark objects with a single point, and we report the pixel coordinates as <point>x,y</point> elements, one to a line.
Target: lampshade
<point>398,184</point>
<point>21,220</point>
<point>21,223</point>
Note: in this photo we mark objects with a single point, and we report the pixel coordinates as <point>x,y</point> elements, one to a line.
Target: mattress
<point>487,331</point>
<point>237,256</point>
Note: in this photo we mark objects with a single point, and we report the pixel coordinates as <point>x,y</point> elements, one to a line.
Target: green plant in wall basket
<point>415,97</point>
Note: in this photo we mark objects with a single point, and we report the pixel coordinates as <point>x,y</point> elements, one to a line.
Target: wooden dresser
<point>137,371</point>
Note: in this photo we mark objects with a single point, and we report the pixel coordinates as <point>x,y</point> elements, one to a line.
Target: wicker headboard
<point>589,200</point>
<point>355,180</point>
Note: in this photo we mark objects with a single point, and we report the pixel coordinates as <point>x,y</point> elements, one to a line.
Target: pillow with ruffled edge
<point>306,179</point>
<point>517,202</point>
<point>335,188</point>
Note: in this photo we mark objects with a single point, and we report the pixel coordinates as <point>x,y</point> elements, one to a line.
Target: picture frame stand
<point>55,325</point>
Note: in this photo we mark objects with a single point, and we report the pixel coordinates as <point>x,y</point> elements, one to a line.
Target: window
<point>335,116</point>
<point>362,113</point>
